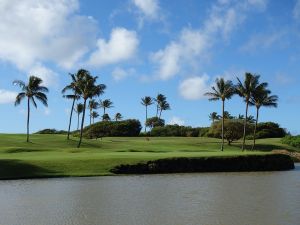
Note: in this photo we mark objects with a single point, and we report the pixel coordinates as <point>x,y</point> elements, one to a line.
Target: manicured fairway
<point>54,156</point>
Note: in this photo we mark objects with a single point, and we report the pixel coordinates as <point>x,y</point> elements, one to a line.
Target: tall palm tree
<point>261,97</point>
<point>163,105</point>
<point>214,116</point>
<point>223,90</point>
<point>73,96</point>
<point>78,109</point>
<point>106,104</point>
<point>146,101</point>
<point>92,105</point>
<point>94,115</point>
<point>88,89</point>
<point>32,91</point>
<point>159,98</point>
<point>245,90</point>
<point>118,116</point>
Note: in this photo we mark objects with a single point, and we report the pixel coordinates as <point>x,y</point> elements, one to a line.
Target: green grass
<point>54,156</point>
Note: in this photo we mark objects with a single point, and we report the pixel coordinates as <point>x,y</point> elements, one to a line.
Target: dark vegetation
<point>292,141</point>
<point>51,131</point>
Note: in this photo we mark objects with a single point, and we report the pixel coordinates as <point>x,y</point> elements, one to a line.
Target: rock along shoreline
<point>247,163</point>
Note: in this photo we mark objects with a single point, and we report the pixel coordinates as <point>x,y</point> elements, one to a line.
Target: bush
<point>292,141</point>
<point>270,130</point>
<point>155,122</point>
<point>233,130</point>
<point>51,131</point>
<point>124,128</point>
<point>178,131</point>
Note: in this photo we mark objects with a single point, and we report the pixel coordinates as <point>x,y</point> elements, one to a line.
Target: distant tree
<point>106,104</point>
<point>227,115</point>
<point>222,91</point>
<point>32,91</point>
<point>159,99</point>
<point>118,116</point>
<point>88,89</point>
<point>78,109</point>
<point>146,101</point>
<point>214,116</point>
<point>72,87</point>
<point>261,97</point>
<point>164,105</point>
<point>92,106</point>
<point>94,115</point>
<point>155,122</point>
<point>105,117</point>
<point>245,90</point>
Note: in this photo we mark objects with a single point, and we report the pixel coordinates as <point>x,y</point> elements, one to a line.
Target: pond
<point>173,199</point>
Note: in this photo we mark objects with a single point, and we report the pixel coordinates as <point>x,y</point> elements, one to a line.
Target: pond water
<point>268,198</point>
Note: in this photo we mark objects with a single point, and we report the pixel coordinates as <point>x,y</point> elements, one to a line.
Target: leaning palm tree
<point>32,91</point>
<point>146,101</point>
<point>245,90</point>
<point>73,96</point>
<point>214,116</point>
<point>92,105</point>
<point>159,99</point>
<point>105,117</point>
<point>118,116</point>
<point>78,109</point>
<point>164,105</point>
<point>106,104</point>
<point>94,115</point>
<point>88,89</point>
<point>223,90</point>
<point>261,97</point>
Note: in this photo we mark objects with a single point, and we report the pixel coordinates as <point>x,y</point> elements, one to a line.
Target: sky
<point>141,48</point>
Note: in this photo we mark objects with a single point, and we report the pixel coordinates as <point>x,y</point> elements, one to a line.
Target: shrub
<point>51,131</point>
<point>178,131</point>
<point>124,128</point>
<point>270,130</point>
<point>292,141</point>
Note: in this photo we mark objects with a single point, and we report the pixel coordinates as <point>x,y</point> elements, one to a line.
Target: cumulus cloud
<point>121,46</point>
<point>193,45</point>
<point>49,77</point>
<point>120,74</point>
<point>176,120</point>
<point>7,96</point>
<point>149,8</point>
<point>194,88</point>
<point>40,30</point>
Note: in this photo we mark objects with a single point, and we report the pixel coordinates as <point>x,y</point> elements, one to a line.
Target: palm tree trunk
<point>28,116</point>
<point>223,107</point>
<point>103,113</point>
<point>156,110</point>
<point>160,113</point>
<point>78,114</point>
<point>70,120</point>
<point>245,124</point>
<point>146,118</point>
<point>82,122</point>
<point>90,116</point>
<point>255,127</point>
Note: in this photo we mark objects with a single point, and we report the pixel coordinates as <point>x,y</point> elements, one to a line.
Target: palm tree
<point>94,115</point>
<point>227,115</point>
<point>74,96</point>
<point>223,90</point>
<point>261,97</point>
<point>159,98</point>
<point>214,116</point>
<point>146,101</point>
<point>245,90</point>
<point>106,104</point>
<point>88,89</point>
<point>78,109</point>
<point>33,91</point>
<point>92,105</point>
<point>163,105</point>
<point>118,116</point>
<point>105,117</point>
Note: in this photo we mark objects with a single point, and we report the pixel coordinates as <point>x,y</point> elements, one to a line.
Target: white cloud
<point>40,30</point>
<point>150,8</point>
<point>194,45</point>
<point>121,46</point>
<point>176,120</point>
<point>296,10</point>
<point>283,79</point>
<point>120,74</point>
<point>7,96</point>
<point>49,77</point>
<point>194,88</point>
<point>47,112</point>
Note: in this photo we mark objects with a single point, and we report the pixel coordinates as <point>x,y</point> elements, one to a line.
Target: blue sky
<point>145,47</point>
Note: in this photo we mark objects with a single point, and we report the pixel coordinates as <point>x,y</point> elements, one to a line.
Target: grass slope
<point>54,156</point>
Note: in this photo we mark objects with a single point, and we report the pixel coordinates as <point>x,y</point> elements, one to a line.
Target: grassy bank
<point>54,156</point>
